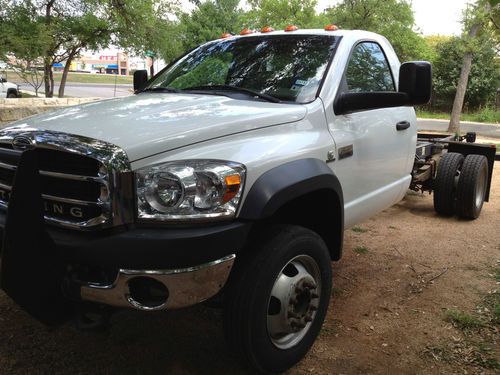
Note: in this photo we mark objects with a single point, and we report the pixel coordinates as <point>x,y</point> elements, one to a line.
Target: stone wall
<point>17,109</point>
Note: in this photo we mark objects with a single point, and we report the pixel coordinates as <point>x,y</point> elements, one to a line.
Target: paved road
<point>485,130</point>
<point>82,90</point>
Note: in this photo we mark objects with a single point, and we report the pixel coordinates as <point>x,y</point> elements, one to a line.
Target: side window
<point>368,70</point>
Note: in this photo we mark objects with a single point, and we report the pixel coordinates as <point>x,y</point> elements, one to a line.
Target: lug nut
<point>309,284</point>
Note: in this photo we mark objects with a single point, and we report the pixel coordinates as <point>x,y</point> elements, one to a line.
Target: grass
<point>25,95</point>
<point>480,334</point>
<point>360,250</point>
<point>336,292</point>
<point>465,352</point>
<point>79,78</point>
<point>359,230</point>
<point>486,114</point>
<point>496,274</point>
<point>463,321</point>
<point>491,303</point>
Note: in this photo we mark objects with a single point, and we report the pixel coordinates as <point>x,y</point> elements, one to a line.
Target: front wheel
<point>12,95</point>
<point>277,298</point>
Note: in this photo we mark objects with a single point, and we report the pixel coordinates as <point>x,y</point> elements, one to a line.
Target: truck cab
<point>229,176</point>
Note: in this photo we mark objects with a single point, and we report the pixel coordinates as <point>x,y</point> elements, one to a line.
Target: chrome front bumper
<point>186,286</point>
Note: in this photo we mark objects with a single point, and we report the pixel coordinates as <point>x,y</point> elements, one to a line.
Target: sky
<point>431,16</point>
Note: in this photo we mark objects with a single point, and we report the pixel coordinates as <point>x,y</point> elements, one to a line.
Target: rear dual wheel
<point>460,185</point>
<point>277,298</point>
<point>472,186</point>
<point>445,184</point>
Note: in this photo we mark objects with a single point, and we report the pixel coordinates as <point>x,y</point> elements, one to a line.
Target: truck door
<point>372,151</point>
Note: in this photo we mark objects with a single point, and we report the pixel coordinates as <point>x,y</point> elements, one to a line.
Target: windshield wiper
<point>161,89</point>
<point>261,95</point>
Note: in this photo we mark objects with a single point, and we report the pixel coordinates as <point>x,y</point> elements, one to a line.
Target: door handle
<point>402,125</point>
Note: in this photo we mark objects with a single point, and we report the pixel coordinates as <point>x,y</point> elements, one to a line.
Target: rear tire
<point>277,298</point>
<point>472,185</point>
<point>11,95</point>
<point>445,183</point>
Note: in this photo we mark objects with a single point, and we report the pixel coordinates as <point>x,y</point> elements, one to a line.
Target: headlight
<point>189,190</point>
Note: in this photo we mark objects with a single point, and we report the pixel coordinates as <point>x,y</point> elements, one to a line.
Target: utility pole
<point>117,70</point>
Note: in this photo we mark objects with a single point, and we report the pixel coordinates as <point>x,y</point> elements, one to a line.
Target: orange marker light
<point>291,28</point>
<point>331,27</point>
<point>246,32</point>
<point>233,183</point>
<point>226,35</point>
<point>267,29</point>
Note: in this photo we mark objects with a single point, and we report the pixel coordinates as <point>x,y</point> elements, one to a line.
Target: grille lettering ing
<point>78,176</point>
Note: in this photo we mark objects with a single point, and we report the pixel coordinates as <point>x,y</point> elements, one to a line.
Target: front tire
<point>277,298</point>
<point>11,95</point>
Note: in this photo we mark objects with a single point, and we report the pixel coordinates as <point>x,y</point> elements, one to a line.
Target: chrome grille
<point>85,183</point>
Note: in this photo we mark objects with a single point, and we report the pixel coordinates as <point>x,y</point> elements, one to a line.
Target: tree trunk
<point>151,68</point>
<point>47,70</point>
<point>454,126</point>
<point>458,103</point>
<point>64,76</point>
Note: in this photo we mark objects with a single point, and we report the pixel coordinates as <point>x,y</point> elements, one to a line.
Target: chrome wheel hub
<point>294,300</point>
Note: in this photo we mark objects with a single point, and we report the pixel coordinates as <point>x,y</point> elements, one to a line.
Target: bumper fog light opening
<point>147,293</point>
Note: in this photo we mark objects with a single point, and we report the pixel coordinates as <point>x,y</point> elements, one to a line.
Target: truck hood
<point>8,85</point>
<point>150,123</point>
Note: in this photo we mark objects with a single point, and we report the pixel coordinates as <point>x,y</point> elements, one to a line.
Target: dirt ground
<point>401,274</point>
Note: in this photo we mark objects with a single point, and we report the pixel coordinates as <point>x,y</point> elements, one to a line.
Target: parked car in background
<point>8,89</point>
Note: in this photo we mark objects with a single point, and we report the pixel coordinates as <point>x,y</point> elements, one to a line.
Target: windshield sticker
<point>299,83</point>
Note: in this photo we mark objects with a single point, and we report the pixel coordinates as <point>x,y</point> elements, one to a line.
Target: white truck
<point>8,89</point>
<point>230,176</point>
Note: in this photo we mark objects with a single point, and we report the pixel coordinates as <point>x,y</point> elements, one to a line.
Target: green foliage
<point>485,114</point>
<point>484,77</point>
<point>281,13</point>
<point>54,31</point>
<point>360,250</point>
<point>142,25</point>
<point>22,33</point>
<point>359,230</point>
<point>392,18</point>
<point>462,320</point>
<point>208,22</point>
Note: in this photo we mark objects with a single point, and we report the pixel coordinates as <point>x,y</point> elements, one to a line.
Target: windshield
<point>288,68</point>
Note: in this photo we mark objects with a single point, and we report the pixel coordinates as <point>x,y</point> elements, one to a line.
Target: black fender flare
<point>287,182</point>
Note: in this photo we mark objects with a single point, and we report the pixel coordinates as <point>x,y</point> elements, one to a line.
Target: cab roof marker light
<point>291,28</point>
<point>331,27</point>
<point>267,29</point>
<point>246,31</point>
<point>226,35</point>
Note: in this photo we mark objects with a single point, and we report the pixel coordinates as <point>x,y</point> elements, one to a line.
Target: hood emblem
<point>22,143</point>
